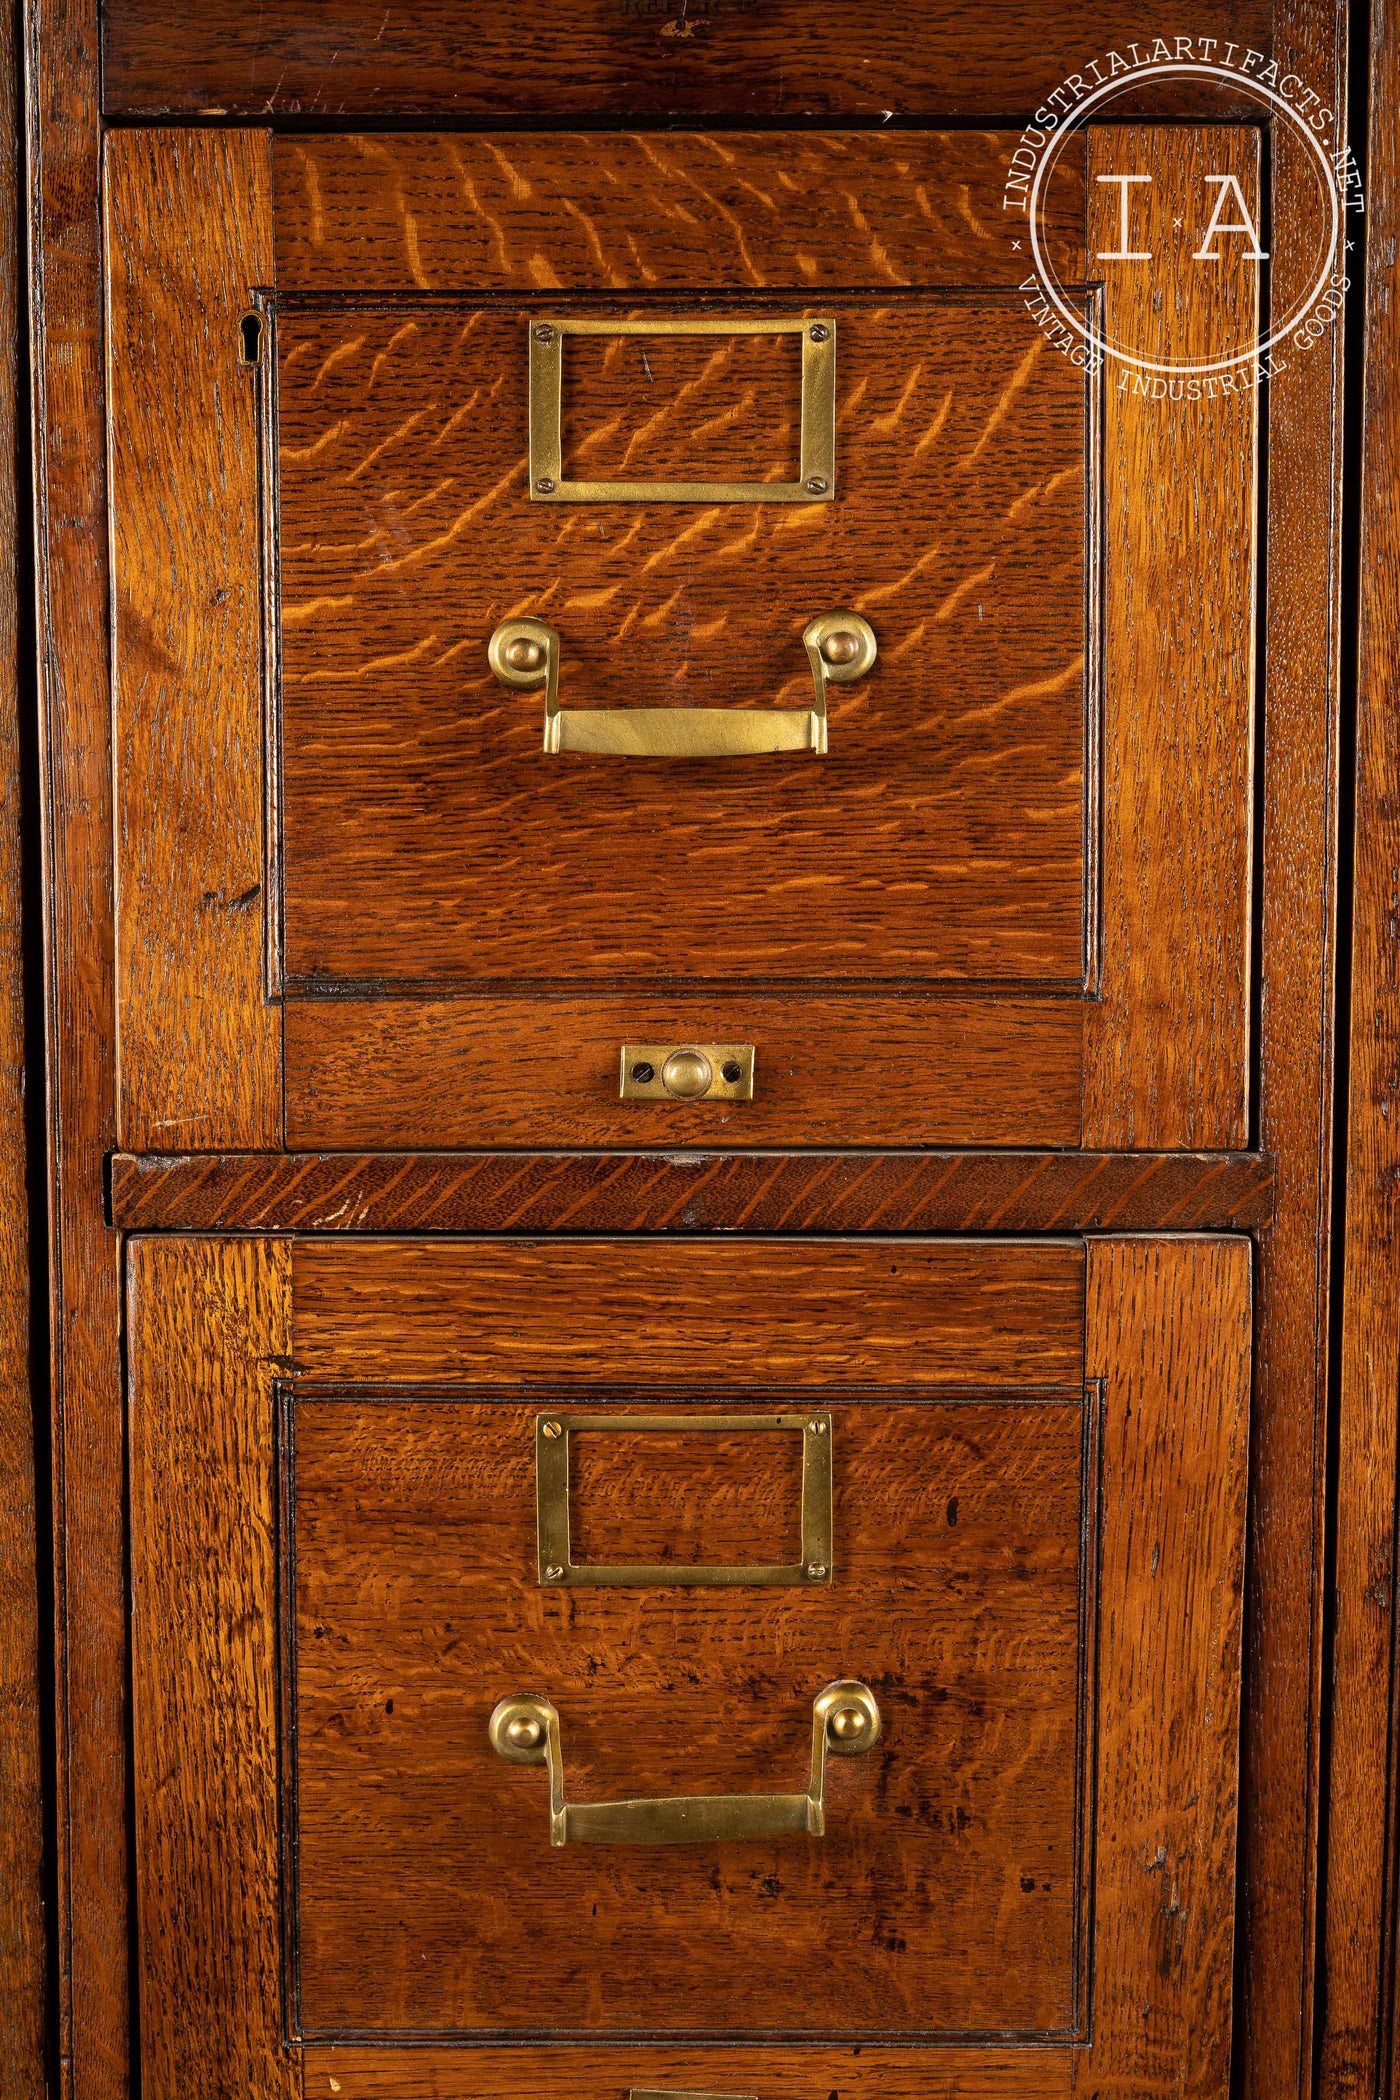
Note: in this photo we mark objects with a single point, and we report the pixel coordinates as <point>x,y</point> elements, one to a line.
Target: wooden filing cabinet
<point>690,883</point>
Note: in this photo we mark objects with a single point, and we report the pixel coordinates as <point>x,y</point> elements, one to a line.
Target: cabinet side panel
<point>1168,1331</point>
<point>208,1326</point>
<point>22,1979</point>
<point>189,236</point>
<point>75,773</point>
<point>1359,1936</point>
<point>1299,775</point>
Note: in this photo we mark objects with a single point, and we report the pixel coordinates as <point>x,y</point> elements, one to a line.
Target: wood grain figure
<point>951,1070</point>
<point>24,1979</point>
<point>945,1897</point>
<point>654,212</point>
<point>1297,965</point>
<point>92,1917</point>
<point>843,1192</point>
<point>198,1043</point>
<point>209,1327</point>
<point>761,1312</point>
<point>1358,2038</point>
<point>428,838</point>
<point>1166,1057</point>
<point>477,64</point>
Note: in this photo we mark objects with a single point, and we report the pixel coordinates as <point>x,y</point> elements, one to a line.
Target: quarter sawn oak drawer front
<point>988,884</point>
<point>891,1661</point>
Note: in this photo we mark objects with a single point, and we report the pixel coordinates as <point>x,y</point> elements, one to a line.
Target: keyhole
<point>250,329</point>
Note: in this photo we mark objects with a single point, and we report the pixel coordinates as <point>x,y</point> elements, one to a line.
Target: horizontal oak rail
<point>699,1191</point>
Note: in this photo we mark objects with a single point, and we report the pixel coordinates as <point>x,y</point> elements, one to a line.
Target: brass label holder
<point>559,1570</point>
<point>816,473</point>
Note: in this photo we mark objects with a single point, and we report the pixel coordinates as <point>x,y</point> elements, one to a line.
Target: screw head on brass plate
<point>687,1074</point>
<point>845,1724</point>
<point>525,1731</point>
<point>527,655</point>
<point>551,1429</point>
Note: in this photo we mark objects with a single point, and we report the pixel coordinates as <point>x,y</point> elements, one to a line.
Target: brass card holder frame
<point>524,1730</point>
<point>816,473</point>
<point>559,1570</point>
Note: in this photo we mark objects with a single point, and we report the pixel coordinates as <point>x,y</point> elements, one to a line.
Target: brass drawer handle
<point>845,1718</point>
<point>840,648</point>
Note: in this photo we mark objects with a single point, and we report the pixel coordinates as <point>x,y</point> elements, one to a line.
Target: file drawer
<point>754,1655</point>
<point>632,636</point>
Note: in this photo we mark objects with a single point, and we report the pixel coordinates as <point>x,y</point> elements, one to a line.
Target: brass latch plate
<point>686,1072</point>
<point>559,1570</point>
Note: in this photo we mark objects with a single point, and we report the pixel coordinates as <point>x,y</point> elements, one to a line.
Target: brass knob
<point>842,647</point>
<point>847,1723</point>
<point>687,1074</point>
<point>525,1731</point>
<point>524,655</point>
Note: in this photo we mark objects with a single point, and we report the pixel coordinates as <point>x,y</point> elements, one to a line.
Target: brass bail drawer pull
<point>840,648</point>
<point>845,1718</point>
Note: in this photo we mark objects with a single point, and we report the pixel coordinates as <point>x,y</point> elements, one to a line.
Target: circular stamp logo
<point>1174,225</point>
